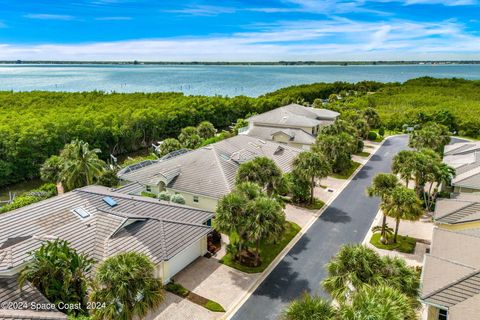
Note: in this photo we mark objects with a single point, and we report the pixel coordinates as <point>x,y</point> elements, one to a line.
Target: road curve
<point>346,220</point>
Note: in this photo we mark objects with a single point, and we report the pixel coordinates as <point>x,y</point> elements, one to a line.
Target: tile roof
<point>267,133</point>
<point>211,170</point>
<point>10,291</point>
<point>24,229</point>
<point>295,115</point>
<point>133,188</point>
<point>469,178</point>
<point>462,148</point>
<point>451,211</point>
<point>451,272</point>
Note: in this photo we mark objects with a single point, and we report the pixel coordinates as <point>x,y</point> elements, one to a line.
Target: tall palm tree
<point>309,308</point>
<point>442,174</point>
<point>80,164</point>
<point>402,204</point>
<point>382,185</point>
<point>312,165</point>
<point>126,283</point>
<point>403,165</point>
<point>262,171</point>
<point>60,273</point>
<point>378,302</point>
<point>353,267</point>
<point>265,222</point>
<point>431,136</point>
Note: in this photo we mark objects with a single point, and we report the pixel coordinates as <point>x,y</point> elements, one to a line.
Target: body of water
<point>209,80</point>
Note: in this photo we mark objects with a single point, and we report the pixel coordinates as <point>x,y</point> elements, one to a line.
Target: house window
<point>195,199</point>
<point>442,314</point>
<point>148,188</point>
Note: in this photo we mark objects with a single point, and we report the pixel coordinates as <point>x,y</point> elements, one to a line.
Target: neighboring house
<point>462,212</point>
<point>100,222</point>
<point>204,175</point>
<point>451,275</point>
<point>451,272</point>
<point>465,159</point>
<point>292,124</point>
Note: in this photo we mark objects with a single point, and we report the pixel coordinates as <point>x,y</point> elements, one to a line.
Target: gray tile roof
<point>10,291</point>
<point>451,272</point>
<point>53,218</point>
<point>462,148</point>
<point>295,115</point>
<point>452,211</point>
<point>456,292</point>
<point>133,188</point>
<point>211,170</point>
<point>267,133</point>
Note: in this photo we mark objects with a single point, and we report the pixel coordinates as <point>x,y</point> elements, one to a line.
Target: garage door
<point>183,259</point>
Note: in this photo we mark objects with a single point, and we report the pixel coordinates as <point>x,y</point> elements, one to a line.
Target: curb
<point>232,311</point>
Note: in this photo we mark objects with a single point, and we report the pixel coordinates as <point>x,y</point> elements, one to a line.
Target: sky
<point>236,30</point>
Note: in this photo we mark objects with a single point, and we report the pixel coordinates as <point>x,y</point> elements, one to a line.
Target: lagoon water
<point>209,80</point>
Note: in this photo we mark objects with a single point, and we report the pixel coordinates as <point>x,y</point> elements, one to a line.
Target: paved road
<point>346,220</point>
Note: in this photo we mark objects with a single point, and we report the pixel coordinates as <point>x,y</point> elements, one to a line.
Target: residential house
<point>465,158</point>
<point>100,222</point>
<point>204,175</point>
<point>451,272</point>
<point>292,124</point>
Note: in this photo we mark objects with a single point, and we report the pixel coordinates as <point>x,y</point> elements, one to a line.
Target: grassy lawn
<point>183,292</point>
<point>404,243</point>
<point>268,251</point>
<point>316,205</point>
<point>362,154</point>
<point>345,174</point>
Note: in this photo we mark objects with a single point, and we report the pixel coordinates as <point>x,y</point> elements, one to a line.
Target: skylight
<point>110,201</point>
<point>82,213</point>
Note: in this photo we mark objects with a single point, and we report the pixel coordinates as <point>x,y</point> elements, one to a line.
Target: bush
<point>45,191</point>
<point>164,195</point>
<point>148,194</point>
<point>178,198</point>
<point>299,188</point>
<point>372,135</point>
<point>381,131</point>
<point>360,146</point>
<point>177,289</point>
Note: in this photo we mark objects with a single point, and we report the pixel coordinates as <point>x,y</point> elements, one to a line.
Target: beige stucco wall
<point>460,226</point>
<point>457,189</point>
<point>204,203</point>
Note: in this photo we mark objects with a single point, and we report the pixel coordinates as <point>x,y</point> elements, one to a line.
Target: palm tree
<point>378,302</point>
<point>403,165</point>
<point>309,308</point>
<point>372,117</point>
<point>353,267</point>
<point>431,136</point>
<point>168,145</point>
<point>189,138</point>
<point>442,174</point>
<point>80,164</point>
<point>262,171</point>
<point>126,283</point>
<point>206,130</point>
<point>312,165</point>
<point>402,204</point>
<point>265,222</point>
<point>384,230</point>
<point>382,185</point>
<point>338,148</point>
<point>60,273</point>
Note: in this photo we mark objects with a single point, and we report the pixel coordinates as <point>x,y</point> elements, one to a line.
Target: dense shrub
<point>372,135</point>
<point>164,195</point>
<point>45,191</point>
<point>178,198</point>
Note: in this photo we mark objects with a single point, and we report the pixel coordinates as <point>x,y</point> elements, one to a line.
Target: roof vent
<point>261,141</point>
<point>82,213</point>
<point>108,200</point>
<point>279,150</point>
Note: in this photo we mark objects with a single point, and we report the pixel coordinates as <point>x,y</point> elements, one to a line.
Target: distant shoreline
<point>226,63</point>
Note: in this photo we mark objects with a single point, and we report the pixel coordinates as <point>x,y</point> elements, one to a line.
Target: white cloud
<point>46,16</point>
<point>337,39</point>
<point>203,10</point>
<point>448,3</point>
<point>113,18</point>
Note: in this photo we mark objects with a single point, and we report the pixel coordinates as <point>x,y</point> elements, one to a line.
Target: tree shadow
<point>335,215</point>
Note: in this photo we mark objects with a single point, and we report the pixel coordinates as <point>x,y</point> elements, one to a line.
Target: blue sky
<point>228,30</point>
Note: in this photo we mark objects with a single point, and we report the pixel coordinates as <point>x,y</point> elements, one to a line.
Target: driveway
<point>346,220</point>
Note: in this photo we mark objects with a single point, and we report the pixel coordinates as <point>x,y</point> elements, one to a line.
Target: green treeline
<point>35,125</point>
